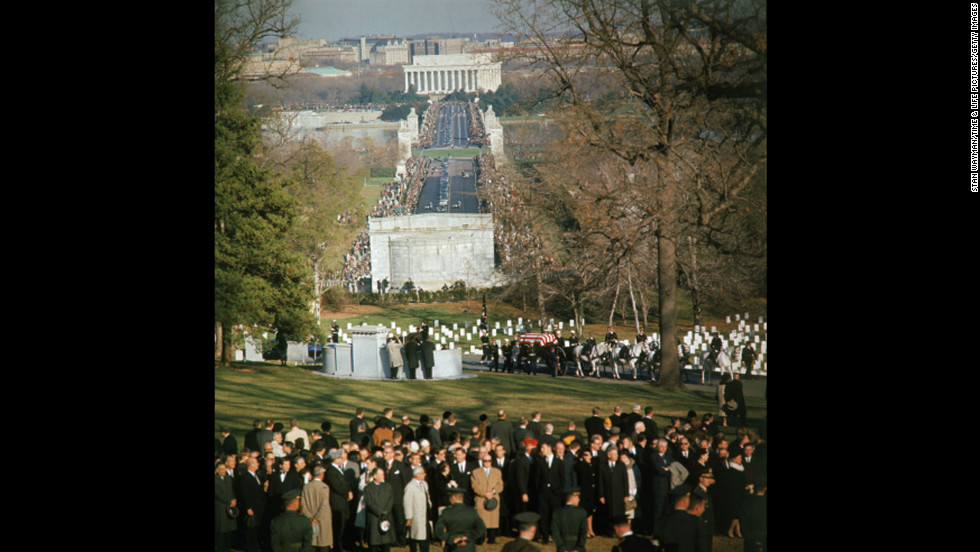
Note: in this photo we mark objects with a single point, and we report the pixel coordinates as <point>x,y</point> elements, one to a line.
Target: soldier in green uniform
<point>569,524</point>
<point>459,526</point>
<point>681,530</point>
<point>291,530</point>
<point>628,542</point>
<point>527,527</point>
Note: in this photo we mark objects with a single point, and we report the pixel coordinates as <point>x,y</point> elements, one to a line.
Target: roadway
<point>452,127</point>
<point>447,184</point>
<point>450,186</point>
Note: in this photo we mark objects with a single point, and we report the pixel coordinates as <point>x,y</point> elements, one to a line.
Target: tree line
<point>276,201</point>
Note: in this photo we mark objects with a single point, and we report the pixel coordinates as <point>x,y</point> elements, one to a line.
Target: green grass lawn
<point>247,391</point>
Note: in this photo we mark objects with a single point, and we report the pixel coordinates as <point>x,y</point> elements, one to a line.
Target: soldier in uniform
<point>705,480</point>
<point>527,527</point>
<point>611,337</point>
<point>459,526</point>
<point>424,329</point>
<point>334,332</point>
<point>680,530</point>
<point>485,345</point>
<point>508,351</point>
<point>569,524</point>
<point>291,530</point>
<point>628,542</point>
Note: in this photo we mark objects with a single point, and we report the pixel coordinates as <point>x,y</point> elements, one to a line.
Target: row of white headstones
<point>697,340</point>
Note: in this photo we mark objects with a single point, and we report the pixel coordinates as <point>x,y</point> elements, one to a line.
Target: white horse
<point>583,353</point>
<point>647,357</point>
<point>615,356</point>
<point>723,361</point>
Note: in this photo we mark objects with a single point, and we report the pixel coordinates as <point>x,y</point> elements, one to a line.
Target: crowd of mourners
<point>378,483</point>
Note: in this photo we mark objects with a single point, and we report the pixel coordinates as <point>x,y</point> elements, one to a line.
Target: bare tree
<point>685,138</point>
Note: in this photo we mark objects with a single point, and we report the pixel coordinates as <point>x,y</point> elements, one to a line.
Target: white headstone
<point>728,320</point>
<point>349,325</point>
<point>746,316</point>
<point>756,327</point>
<point>451,344</point>
<point>493,332</point>
<point>696,330</point>
<point>520,320</point>
<point>561,325</point>
<point>411,328</point>
<point>393,325</point>
<point>455,326</point>
<point>436,323</point>
<point>762,347</point>
<point>713,329</point>
<point>571,323</point>
<point>509,323</point>
<point>738,317</point>
<point>756,339</point>
<point>760,320</point>
<point>439,346</point>
<point>764,324</point>
<point>497,324</point>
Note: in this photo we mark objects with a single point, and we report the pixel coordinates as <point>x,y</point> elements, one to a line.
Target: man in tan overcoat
<point>487,482</point>
<point>417,505</point>
<point>315,504</point>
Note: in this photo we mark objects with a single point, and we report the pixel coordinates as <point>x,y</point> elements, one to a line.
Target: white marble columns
<point>443,80</point>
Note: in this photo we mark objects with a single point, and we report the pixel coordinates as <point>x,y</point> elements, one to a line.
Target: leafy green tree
<point>258,278</point>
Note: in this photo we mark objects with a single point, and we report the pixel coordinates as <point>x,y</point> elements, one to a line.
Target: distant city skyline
<point>335,19</point>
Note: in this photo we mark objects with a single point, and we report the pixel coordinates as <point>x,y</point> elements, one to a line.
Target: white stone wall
<point>432,249</point>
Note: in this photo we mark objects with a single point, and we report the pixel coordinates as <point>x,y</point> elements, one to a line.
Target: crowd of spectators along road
<point>512,229</point>
<point>478,135</point>
<point>679,485</point>
<point>397,193</point>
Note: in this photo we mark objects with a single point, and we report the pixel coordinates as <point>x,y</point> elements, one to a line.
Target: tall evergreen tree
<point>258,277</point>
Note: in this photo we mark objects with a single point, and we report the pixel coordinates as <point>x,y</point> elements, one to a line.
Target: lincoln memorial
<point>445,73</point>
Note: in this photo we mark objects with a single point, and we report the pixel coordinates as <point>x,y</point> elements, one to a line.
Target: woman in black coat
<point>585,473</point>
<point>437,490</point>
<point>379,501</point>
<point>730,494</point>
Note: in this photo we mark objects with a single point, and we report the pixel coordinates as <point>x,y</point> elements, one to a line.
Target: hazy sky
<point>335,19</point>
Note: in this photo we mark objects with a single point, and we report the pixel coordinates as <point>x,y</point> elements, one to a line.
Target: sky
<point>336,19</point>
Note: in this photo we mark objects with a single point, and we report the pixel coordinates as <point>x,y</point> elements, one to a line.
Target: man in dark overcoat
<point>428,357</point>
<point>612,488</point>
<point>549,478</point>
